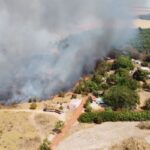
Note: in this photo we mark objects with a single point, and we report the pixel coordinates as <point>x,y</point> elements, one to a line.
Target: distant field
<point>142,23</point>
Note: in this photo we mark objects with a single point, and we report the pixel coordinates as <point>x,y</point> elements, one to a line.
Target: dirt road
<point>68,124</point>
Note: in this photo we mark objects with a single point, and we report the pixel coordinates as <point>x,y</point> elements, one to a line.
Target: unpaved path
<point>59,116</point>
<point>58,138</point>
<point>101,137</point>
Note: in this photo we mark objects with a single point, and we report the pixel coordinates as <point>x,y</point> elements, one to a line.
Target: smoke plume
<point>46,44</point>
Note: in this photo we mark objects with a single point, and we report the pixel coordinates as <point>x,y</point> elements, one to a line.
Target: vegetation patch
<point>99,117</point>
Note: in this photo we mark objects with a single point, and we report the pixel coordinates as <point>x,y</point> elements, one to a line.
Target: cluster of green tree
<point>122,78</point>
<point>122,86</point>
<point>123,62</point>
<point>142,42</point>
<point>119,88</point>
<point>99,117</point>
<point>120,97</point>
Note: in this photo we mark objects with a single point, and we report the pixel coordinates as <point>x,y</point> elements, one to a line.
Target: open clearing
<point>102,137</point>
<point>24,130</point>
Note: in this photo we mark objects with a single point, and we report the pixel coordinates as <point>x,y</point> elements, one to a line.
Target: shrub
<point>45,145</point>
<point>74,96</point>
<point>147,58</point>
<point>123,62</point>
<point>33,105</point>
<point>119,97</point>
<point>114,116</point>
<point>97,78</point>
<point>61,107</point>
<point>102,67</point>
<point>86,87</point>
<point>140,75</point>
<point>122,72</point>
<point>58,126</point>
<point>61,94</point>
<point>145,64</point>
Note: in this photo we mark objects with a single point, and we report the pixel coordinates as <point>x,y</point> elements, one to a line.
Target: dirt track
<point>68,125</point>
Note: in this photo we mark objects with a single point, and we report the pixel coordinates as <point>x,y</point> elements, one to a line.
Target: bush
<point>114,116</point>
<point>102,67</point>
<point>147,58</point>
<point>86,86</point>
<point>74,96</point>
<point>33,105</point>
<point>123,62</point>
<point>45,145</point>
<point>119,97</point>
<point>145,64</point>
<point>140,75</point>
<point>61,94</point>
<point>58,126</point>
<point>97,78</point>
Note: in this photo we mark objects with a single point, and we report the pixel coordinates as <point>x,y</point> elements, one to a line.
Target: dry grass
<point>46,123</point>
<point>16,132</point>
<point>131,144</point>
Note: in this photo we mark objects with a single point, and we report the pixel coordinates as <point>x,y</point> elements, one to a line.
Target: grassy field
<point>22,130</point>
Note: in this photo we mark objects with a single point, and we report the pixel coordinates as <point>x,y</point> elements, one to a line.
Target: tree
<point>119,97</point>
<point>140,75</point>
<point>123,79</point>
<point>33,105</point>
<point>123,62</point>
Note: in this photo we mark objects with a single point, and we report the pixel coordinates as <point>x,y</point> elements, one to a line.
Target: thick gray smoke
<point>46,44</point>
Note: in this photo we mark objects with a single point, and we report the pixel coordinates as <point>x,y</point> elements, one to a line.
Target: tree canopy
<point>123,62</point>
<point>119,97</point>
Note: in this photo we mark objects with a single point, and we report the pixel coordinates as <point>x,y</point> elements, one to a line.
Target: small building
<point>74,103</point>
